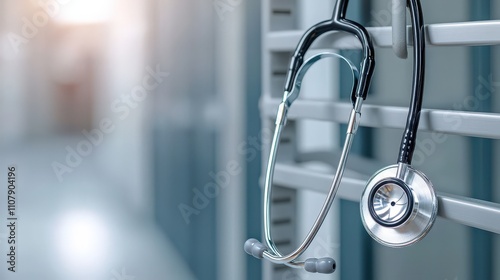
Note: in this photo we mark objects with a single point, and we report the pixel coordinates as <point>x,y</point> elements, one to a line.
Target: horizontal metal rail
<point>467,211</point>
<point>475,33</point>
<point>462,123</point>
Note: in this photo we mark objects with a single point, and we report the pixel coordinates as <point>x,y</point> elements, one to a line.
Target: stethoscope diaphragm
<point>391,202</point>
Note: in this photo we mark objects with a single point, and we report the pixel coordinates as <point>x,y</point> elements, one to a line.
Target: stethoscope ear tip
<point>323,265</point>
<point>254,248</point>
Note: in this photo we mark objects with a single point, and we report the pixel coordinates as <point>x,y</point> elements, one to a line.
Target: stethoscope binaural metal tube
<point>270,251</point>
<point>275,256</point>
<point>296,72</point>
<point>399,206</point>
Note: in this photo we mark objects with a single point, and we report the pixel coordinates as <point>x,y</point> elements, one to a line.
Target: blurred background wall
<point>119,113</point>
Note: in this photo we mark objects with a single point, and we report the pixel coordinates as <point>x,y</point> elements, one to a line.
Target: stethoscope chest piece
<point>398,209</point>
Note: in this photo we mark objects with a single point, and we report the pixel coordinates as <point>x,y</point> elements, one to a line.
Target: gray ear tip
<point>326,265</point>
<point>310,265</point>
<point>255,248</point>
<point>249,244</point>
<point>323,265</point>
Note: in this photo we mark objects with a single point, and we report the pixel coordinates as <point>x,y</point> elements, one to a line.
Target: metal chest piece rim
<point>398,211</point>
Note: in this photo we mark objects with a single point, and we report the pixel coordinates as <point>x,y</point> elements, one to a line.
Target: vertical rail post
<point>481,152</point>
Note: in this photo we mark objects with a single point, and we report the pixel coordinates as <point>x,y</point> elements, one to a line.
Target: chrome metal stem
<point>273,253</point>
<point>402,170</point>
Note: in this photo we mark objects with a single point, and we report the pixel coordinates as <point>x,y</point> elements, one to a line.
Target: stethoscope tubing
<point>408,141</point>
<point>337,23</point>
<point>422,202</point>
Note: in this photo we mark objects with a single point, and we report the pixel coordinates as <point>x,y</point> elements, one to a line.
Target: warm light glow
<point>85,11</point>
<point>82,239</point>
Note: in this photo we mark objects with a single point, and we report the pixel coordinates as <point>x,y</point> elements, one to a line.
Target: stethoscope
<point>399,205</point>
